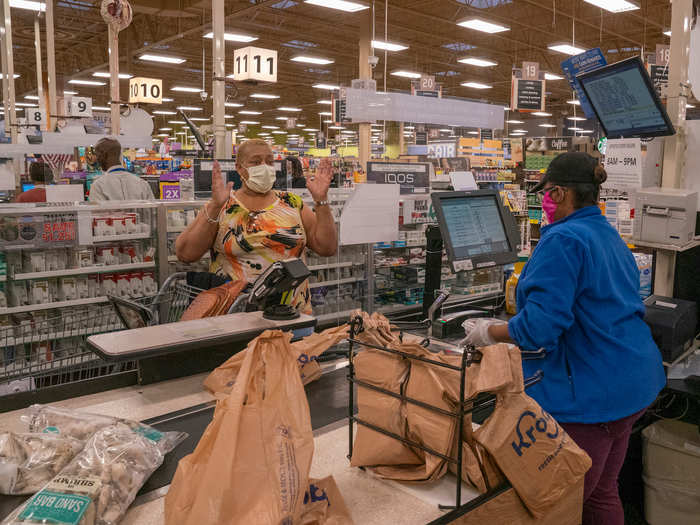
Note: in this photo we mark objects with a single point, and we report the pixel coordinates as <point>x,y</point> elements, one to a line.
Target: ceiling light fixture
<point>177,122</point>
<point>406,74</point>
<point>515,122</point>
<point>265,96</point>
<point>519,131</point>
<point>233,37</point>
<point>186,89</point>
<point>547,125</point>
<point>189,108</point>
<point>336,127</point>
<point>541,114</point>
<point>279,132</point>
<point>578,119</point>
<point>479,24</point>
<point>329,87</point>
<point>567,49</point>
<point>388,46</point>
<point>27,4</point>
<point>65,92</point>
<point>163,112</point>
<point>687,106</point>
<point>312,60</point>
<point>270,127</point>
<point>249,112</point>
<point>586,131</point>
<point>288,108</point>
<point>574,128</point>
<point>310,129</point>
<point>199,119</point>
<point>35,97</point>
<point>667,33</point>
<point>165,129</point>
<point>233,105</point>
<point>476,85</point>
<point>250,122</point>
<point>166,99</point>
<point>162,58</point>
<point>573,102</point>
<point>479,62</point>
<point>342,5</point>
<point>327,121</point>
<point>105,74</point>
<point>552,76</point>
<point>26,104</point>
<point>282,118</point>
<point>87,82</point>
<point>614,6</point>
<point>326,114</point>
<point>472,132</point>
<point>13,76</point>
<point>101,108</point>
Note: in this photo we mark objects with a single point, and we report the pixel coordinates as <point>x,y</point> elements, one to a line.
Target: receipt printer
<point>665,215</point>
<point>673,323</point>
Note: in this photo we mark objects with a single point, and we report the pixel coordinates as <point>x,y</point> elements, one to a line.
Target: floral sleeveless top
<point>249,241</point>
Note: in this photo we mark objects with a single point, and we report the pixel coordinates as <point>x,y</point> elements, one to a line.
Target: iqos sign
<point>413,177</point>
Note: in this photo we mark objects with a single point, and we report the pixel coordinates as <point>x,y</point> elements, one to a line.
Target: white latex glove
<point>477,331</point>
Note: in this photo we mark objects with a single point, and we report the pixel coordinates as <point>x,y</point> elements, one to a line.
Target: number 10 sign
<point>146,90</point>
<point>255,63</point>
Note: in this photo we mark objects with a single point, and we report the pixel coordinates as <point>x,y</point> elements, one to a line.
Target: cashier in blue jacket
<point>578,298</point>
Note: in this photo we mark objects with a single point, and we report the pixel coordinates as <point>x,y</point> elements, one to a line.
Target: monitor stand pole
<point>433,266</point>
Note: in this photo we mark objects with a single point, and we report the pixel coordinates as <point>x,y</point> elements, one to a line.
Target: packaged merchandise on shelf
<point>644,264</point>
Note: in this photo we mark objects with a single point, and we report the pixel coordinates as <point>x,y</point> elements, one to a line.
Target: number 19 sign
<point>146,90</point>
<point>255,63</point>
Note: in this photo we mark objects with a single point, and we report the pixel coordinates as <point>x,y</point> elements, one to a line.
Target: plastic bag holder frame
<point>463,407</point>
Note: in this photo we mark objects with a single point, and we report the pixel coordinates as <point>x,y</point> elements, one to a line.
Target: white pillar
<point>51,63</point>
<point>9,72</point>
<point>364,132</point>
<point>39,68</point>
<point>113,36</point>
<point>221,148</point>
<point>674,147</point>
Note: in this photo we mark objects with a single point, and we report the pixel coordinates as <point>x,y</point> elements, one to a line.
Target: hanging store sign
<point>291,123</point>
<point>321,140</point>
<point>339,107</point>
<point>426,87</point>
<point>486,134</point>
<point>531,70</point>
<point>527,95</point>
<point>81,107</point>
<point>145,90</point>
<point>433,133</point>
<point>623,163</point>
<point>559,143</point>
<point>36,116</point>
<point>255,63</point>
<point>413,177</point>
<point>586,61</point>
<point>657,64</point>
<point>421,138</point>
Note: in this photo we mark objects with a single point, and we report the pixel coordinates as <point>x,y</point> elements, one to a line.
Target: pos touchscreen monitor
<point>624,100</point>
<point>476,229</point>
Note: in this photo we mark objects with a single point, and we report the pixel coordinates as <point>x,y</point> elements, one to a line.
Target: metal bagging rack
<point>462,408</point>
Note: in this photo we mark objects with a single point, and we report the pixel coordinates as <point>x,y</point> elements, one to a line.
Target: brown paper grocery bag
<point>252,463</point>
<point>221,379</point>
<point>387,371</point>
<point>537,456</point>
<point>324,505</point>
<point>215,301</point>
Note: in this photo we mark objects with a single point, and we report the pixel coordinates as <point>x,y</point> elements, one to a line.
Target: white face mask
<point>261,178</point>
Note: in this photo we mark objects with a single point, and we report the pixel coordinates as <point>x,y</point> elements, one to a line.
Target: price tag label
<point>170,191</point>
<point>81,107</point>
<point>145,90</point>
<point>255,63</point>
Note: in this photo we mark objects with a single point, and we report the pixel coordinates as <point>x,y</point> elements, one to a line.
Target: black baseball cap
<point>574,167</point>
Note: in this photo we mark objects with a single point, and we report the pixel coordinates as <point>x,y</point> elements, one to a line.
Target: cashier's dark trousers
<point>606,444</point>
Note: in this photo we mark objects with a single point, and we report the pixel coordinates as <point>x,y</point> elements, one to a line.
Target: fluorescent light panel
<point>342,5</point>
<point>87,82</point>
<point>577,119</point>
<point>329,87</point>
<point>312,60</point>
<point>189,108</point>
<point>567,49</point>
<point>326,114</point>
<point>476,85</point>
<point>547,126</point>
<point>515,122</point>
<point>406,74</point>
<point>105,74</point>
<point>101,108</point>
<point>266,96</point>
<point>26,4</point>
<point>484,26</point>
<point>614,6</point>
<point>35,97</point>
<point>233,105</point>
<point>13,76</point>
<point>388,46</point>
<point>573,102</point>
<point>233,37</point>
<point>552,76</point>
<point>251,122</point>
<point>249,112</point>
<point>541,114</point>
<point>479,62</point>
<point>325,102</point>
<point>186,89</point>
<point>287,108</point>
<point>161,58</point>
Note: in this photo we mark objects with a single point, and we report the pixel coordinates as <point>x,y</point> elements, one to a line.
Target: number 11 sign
<point>255,63</point>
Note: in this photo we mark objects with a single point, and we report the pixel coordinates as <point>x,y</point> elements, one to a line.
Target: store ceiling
<point>428,27</point>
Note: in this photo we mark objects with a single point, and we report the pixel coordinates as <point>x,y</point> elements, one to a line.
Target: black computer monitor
<point>476,229</point>
<point>624,100</point>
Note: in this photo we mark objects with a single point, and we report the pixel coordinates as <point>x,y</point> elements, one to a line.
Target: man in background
<point>40,174</point>
<point>116,183</point>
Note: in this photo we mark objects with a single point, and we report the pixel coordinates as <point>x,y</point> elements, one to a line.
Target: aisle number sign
<point>623,163</point>
<point>145,90</point>
<point>36,117</point>
<point>81,107</point>
<point>255,63</point>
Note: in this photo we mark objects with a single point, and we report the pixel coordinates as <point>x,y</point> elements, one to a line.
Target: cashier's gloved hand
<point>477,331</point>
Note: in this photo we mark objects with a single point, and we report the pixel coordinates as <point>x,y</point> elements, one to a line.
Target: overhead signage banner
<point>255,63</point>
<point>363,106</point>
<point>528,94</point>
<point>623,164</point>
<point>586,61</point>
<point>413,177</point>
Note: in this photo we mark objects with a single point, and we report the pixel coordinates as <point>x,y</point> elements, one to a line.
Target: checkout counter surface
<point>183,404</point>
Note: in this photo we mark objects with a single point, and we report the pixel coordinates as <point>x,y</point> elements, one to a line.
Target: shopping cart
<point>38,351</point>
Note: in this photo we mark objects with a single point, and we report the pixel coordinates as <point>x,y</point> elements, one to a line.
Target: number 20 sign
<point>255,63</point>
<point>145,90</point>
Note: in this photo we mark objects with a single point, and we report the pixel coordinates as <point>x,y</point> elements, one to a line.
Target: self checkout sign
<point>81,107</point>
<point>255,63</point>
<point>145,90</point>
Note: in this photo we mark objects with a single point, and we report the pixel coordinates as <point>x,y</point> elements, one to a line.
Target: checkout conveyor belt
<point>328,402</point>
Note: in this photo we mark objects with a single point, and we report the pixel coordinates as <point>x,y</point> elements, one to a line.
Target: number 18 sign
<point>255,63</point>
<point>146,90</point>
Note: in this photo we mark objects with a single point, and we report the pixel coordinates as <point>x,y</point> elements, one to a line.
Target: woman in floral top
<point>255,226</point>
